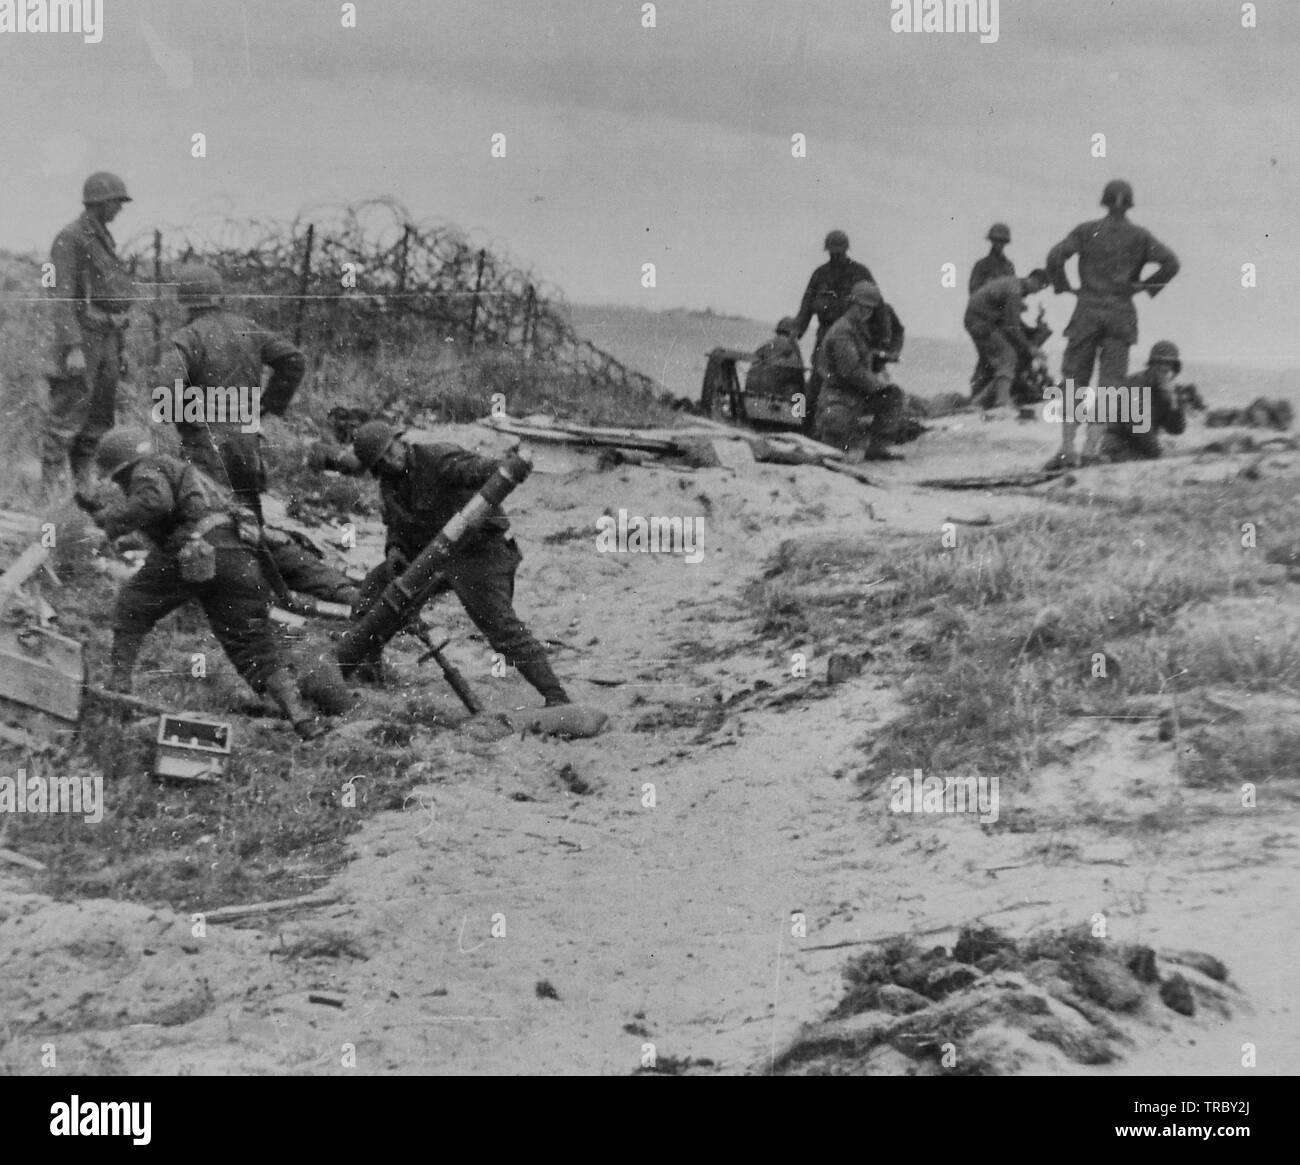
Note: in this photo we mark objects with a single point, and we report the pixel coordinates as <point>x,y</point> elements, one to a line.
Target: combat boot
<point>537,671</point>
<point>280,687</point>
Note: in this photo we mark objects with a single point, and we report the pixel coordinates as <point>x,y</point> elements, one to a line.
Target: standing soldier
<point>853,386</point>
<point>219,348</point>
<point>827,298</point>
<point>197,554</point>
<point>1112,255</point>
<point>92,294</point>
<point>422,488</point>
<point>993,323</point>
<point>994,265</point>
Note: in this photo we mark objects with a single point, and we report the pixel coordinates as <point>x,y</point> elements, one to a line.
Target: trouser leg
<point>1076,365</point>
<point>999,357</point>
<point>151,594</point>
<point>484,581</point>
<point>102,351</point>
<point>237,603</point>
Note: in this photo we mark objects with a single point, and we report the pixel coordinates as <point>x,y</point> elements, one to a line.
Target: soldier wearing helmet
<point>1113,254</point>
<point>422,486</point>
<point>994,265</point>
<point>218,348</point>
<point>1154,407</point>
<point>854,385</point>
<point>91,296</point>
<point>196,554</point>
<point>994,325</point>
<point>827,298</point>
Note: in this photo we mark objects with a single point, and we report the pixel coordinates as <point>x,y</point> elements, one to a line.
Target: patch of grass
<point>1008,623</point>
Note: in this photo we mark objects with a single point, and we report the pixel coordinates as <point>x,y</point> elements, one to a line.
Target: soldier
<point>994,265</point>
<point>827,298</point>
<point>853,384</point>
<point>221,349</point>
<point>422,487</point>
<point>1112,255</point>
<point>92,294</point>
<point>782,350</point>
<point>217,348</point>
<point>994,324</point>
<point>1120,440</point>
<point>197,554</point>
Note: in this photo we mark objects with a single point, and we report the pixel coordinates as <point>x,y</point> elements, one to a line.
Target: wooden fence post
<point>473,307</point>
<point>157,296</point>
<point>302,283</point>
<point>402,258</point>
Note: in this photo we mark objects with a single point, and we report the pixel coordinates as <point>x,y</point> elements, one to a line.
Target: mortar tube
<point>404,596</point>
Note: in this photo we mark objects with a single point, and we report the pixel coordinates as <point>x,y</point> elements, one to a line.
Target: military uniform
<point>826,298</point>
<point>989,268</point>
<point>220,349</point>
<point>92,296</point>
<point>167,500</point>
<point>1121,442</point>
<point>852,388</point>
<point>1112,253</point>
<point>436,484</point>
<point>993,322</point>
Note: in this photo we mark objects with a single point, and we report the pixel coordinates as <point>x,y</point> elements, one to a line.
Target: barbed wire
<point>344,277</point>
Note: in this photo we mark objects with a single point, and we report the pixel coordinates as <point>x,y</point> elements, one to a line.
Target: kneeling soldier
<point>197,554</point>
<point>1121,440</point>
<point>422,488</point>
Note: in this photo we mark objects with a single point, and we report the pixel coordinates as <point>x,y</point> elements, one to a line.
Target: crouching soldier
<point>1154,385</point>
<point>422,487</point>
<point>198,554</point>
<point>994,325</point>
<point>854,385</point>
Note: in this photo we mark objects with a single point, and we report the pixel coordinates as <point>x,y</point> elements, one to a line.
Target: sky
<point>672,145</point>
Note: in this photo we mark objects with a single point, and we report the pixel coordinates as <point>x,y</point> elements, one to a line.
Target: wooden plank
<point>849,470</point>
<point>17,859</point>
<point>29,562</point>
<point>46,674</point>
<point>230,913</point>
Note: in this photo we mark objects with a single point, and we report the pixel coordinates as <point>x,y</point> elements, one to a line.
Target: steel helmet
<point>1165,352</point>
<point>120,448</point>
<point>837,241</point>
<point>866,292</point>
<point>1117,191</point>
<point>104,187</point>
<point>198,285</point>
<point>999,232</point>
<point>372,441</point>
<point>786,325</point>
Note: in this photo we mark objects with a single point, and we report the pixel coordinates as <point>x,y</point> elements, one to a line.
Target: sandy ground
<point>620,924</point>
